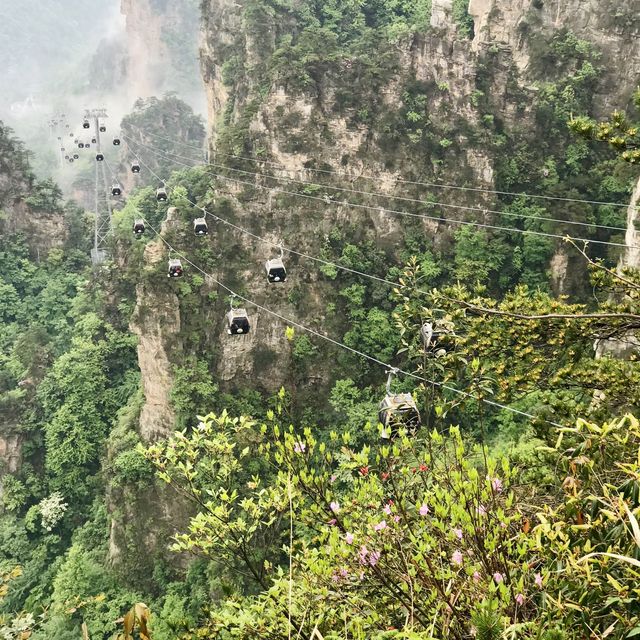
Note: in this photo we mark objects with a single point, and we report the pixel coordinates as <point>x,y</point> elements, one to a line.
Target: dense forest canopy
<point>458,242</point>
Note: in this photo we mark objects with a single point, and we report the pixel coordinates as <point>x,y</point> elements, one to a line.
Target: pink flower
<point>335,577</point>
<point>332,522</point>
<point>458,533</point>
<point>348,538</point>
<point>476,576</point>
<point>362,554</point>
<point>424,510</point>
<point>333,478</point>
<point>520,599</point>
<point>374,556</point>
<point>380,526</point>
<point>335,507</point>
<point>344,573</point>
<point>456,557</point>
<point>396,518</point>
<point>299,447</point>
<point>498,577</point>
<point>387,509</point>
<point>538,580</point>
<point>496,485</point>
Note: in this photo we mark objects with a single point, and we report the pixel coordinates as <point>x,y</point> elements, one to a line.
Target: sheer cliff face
<point>43,228</point>
<point>615,30</point>
<point>161,49</point>
<point>482,91</point>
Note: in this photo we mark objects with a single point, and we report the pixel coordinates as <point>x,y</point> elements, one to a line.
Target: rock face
<point>513,25</point>
<point>147,55</point>
<point>631,256</point>
<point>10,453</point>
<point>295,129</point>
<point>161,44</point>
<point>156,322</point>
<point>43,230</point>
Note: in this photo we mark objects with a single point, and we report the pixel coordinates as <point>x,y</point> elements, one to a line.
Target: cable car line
<point>401,180</point>
<point>463,303</point>
<point>396,285</point>
<point>395,197</point>
<point>407,213</point>
<point>337,343</point>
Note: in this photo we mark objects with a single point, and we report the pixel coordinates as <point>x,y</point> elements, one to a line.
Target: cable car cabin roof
<point>400,408</point>
<point>275,263</point>
<point>138,225</point>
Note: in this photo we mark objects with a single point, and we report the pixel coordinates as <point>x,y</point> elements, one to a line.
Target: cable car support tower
<point>102,201</point>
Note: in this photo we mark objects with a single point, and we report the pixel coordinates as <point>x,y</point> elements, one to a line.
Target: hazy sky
<point>45,45</point>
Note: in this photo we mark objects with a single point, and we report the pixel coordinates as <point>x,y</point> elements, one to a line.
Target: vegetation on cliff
<point>511,513</point>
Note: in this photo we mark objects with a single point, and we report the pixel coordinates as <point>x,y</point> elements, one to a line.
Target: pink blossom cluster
<point>368,557</point>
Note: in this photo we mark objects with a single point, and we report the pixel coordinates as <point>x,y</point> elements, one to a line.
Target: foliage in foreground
<point>618,132</point>
<point>423,538</point>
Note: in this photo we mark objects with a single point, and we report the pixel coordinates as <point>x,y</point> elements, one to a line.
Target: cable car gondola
<point>87,146</point>
<point>94,141</point>
<point>175,268</point>
<point>135,168</point>
<point>99,157</point>
<point>138,226</point>
<point>116,142</point>
<point>397,410</point>
<point>161,194</point>
<point>103,129</point>
<point>80,145</point>
<point>85,124</point>
<point>116,189</point>
<point>75,156</point>
<point>275,269</point>
<point>237,321</point>
<point>200,227</point>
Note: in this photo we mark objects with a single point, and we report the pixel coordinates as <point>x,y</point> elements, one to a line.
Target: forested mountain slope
<point>414,163</point>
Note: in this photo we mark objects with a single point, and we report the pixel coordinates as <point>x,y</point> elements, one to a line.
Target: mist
<point>65,56</point>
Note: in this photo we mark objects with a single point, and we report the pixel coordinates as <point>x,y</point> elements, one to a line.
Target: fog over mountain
<point>63,56</point>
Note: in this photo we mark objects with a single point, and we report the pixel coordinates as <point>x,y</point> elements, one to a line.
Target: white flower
<point>52,510</point>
